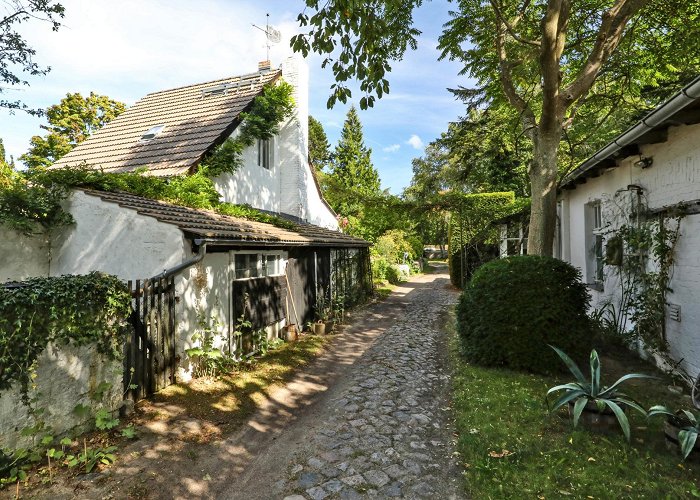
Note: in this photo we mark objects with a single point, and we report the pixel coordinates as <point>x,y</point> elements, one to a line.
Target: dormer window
<point>152,133</point>
<point>265,153</point>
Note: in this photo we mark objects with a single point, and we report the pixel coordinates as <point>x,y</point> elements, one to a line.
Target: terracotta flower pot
<point>290,333</point>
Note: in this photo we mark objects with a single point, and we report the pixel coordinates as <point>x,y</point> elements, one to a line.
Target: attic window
<point>151,133</point>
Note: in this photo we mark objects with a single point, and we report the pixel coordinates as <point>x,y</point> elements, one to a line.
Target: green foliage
<point>65,310</point>
<point>262,122</point>
<point>70,122</point>
<point>15,52</point>
<point>35,197</point>
<point>685,421</point>
<point>104,420</point>
<point>359,39</point>
<point>319,148</point>
<point>472,230</point>
<point>392,245</point>
<point>584,390</point>
<point>513,307</point>
<point>24,205</point>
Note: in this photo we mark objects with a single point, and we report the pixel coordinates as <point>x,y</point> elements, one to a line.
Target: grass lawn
<point>512,448</point>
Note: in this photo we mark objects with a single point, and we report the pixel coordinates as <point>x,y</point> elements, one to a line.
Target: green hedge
<point>65,310</point>
<point>513,307</point>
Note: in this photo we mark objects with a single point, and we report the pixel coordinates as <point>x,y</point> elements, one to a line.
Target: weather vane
<point>272,35</point>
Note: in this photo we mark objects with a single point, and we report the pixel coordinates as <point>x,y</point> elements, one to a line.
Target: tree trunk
<point>543,180</point>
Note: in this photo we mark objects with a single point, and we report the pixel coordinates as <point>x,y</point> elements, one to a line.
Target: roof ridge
<point>242,77</point>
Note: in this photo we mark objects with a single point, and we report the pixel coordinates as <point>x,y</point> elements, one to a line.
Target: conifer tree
<point>353,174</point>
<point>319,148</point>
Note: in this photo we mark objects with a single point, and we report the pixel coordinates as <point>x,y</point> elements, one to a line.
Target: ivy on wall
<point>34,197</point>
<point>67,310</point>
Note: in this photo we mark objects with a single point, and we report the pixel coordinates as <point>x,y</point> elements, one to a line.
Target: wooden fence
<point>149,361</point>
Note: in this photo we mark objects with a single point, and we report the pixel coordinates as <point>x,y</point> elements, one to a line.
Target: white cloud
<point>391,149</point>
<point>415,142</point>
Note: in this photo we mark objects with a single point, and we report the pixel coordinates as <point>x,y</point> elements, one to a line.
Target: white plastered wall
<point>674,177</point>
<point>21,256</point>
<point>114,240</point>
<point>288,186</point>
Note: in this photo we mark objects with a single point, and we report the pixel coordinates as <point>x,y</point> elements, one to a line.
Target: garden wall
<point>22,256</point>
<point>66,376</point>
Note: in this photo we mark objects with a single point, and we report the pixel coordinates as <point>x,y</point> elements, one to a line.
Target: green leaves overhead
<point>358,40</point>
<point>15,52</point>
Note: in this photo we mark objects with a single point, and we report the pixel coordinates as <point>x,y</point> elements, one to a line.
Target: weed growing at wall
<point>65,310</point>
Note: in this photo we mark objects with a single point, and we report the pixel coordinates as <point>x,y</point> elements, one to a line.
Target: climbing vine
<point>640,254</point>
<point>66,310</point>
<point>32,198</point>
<point>262,122</point>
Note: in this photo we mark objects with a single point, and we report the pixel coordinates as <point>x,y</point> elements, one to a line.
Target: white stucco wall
<point>114,240</point>
<point>23,257</point>
<point>66,376</point>
<point>288,186</point>
<point>674,177</point>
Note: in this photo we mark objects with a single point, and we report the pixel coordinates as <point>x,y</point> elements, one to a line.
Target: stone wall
<point>66,377</point>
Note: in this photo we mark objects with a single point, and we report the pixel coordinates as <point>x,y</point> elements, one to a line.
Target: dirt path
<point>368,417</point>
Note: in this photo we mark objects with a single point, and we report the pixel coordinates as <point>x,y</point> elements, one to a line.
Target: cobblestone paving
<point>391,435</point>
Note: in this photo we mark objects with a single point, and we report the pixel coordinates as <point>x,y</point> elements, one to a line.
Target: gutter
<point>284,244</point>
<point>656,117</point>
<point>196,258</point>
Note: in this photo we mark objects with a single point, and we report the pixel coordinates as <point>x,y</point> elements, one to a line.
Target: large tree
<point>71,121</point>
<point>552,61</point>
<point>16,55</point>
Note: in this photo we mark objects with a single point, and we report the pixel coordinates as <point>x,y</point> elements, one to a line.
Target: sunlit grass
<point>231,398</point>
<point>512,448</point>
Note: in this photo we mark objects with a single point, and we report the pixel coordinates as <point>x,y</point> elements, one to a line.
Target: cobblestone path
<point>389,432</point>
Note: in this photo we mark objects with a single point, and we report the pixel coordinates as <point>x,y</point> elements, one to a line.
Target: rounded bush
<point>513,307</point>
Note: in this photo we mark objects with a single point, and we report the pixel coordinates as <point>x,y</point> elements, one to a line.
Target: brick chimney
<point>264,65</point>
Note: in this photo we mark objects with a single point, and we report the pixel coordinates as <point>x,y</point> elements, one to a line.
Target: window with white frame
<point>513,239</point>
<point>265,153</point>
<point>595,257</point>
<point>257,265</point>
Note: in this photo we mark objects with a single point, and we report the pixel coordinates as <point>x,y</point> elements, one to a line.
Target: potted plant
<point>597,406</point>
<point>323,324</point>
<point>680,429</point>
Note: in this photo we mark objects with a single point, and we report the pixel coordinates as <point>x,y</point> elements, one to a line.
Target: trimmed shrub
<point>393,275</point>
<point>513,307</point>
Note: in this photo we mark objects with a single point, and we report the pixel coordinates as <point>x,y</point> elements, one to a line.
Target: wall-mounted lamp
<point>644,161</point>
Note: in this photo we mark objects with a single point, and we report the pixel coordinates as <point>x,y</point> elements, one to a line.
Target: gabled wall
<point>674,177</point>
<point>288,186</point>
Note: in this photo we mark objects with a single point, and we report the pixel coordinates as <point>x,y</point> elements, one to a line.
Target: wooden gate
<point>149,361</point>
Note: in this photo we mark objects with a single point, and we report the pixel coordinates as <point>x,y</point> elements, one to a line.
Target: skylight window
<point>152,133</point>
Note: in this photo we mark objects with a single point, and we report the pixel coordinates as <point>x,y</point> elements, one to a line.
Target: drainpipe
<point>186,263</point>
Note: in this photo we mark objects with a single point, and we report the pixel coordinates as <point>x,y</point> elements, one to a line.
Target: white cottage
<point>640,177</point>
<point>221,267</point>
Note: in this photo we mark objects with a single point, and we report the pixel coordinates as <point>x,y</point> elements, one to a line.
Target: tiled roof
<point>233,230</point>
<point>195,120</point>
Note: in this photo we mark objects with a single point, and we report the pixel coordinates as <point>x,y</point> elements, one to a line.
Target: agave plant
<point>685,421</point>
<point>584,391</point>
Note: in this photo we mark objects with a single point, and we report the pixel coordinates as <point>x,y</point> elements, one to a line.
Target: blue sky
<point>129,48</point>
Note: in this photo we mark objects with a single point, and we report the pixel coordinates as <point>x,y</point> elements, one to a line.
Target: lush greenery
<point>511,447</point>
<point>473,236</point>
<point>15,52</point>
<point>389,250</point>
<point>71,121</point>
<point>35,196</point>
<point>319,148</point>
<point>590,390</point>
<point>262,122</point>
<point>66,310</point>
<point>570,73</point>
<point>513,307</point>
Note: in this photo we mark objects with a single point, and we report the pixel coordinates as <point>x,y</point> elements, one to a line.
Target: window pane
<point>246,266</point>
